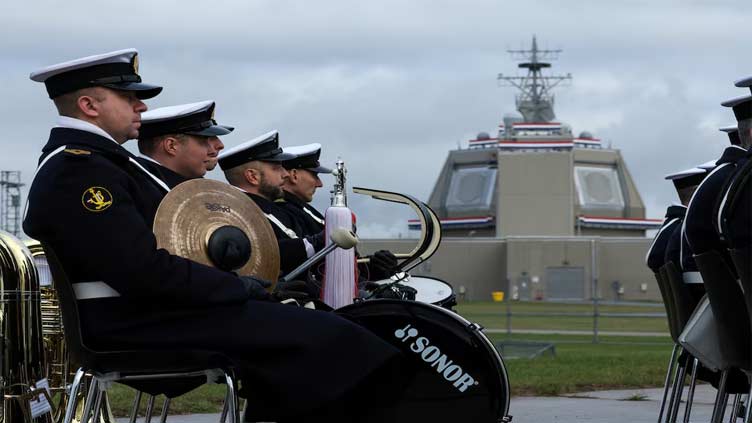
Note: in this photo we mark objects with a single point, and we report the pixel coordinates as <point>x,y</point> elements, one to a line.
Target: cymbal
<point>194,210</point>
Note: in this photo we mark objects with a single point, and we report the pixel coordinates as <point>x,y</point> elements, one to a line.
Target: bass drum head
<point>430,290</point>
<point>457,374</point>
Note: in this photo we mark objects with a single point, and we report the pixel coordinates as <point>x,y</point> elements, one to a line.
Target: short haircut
<point>149,145</point>
<point>235,176</point>
<point>67,104</point>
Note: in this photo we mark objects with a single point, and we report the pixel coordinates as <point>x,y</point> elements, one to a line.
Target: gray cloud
<point>391,86</point>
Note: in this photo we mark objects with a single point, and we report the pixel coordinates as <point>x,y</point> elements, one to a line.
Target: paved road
<point>599,406</point>
<point>606,406</point>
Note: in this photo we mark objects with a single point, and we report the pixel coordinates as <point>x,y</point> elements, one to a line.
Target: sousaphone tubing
<point>216,224</point>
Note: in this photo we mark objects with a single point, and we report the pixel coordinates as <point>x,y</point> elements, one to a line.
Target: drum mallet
<point>342,238</point>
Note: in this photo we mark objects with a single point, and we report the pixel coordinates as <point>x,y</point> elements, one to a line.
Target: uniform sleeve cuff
<point>308,248</point>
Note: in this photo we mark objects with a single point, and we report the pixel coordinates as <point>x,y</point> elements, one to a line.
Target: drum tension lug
<point>475,327</point>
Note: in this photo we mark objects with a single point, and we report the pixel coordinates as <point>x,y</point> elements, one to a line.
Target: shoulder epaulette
<point>76,152</point>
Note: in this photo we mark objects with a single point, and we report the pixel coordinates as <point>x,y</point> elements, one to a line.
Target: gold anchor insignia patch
<point>96,199</point>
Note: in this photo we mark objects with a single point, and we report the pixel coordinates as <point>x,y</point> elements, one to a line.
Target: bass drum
<point>458,374</point>
<point>430,290</point>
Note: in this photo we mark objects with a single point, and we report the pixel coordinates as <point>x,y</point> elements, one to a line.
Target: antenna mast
<point>10,201</point>
<point>535,101</point>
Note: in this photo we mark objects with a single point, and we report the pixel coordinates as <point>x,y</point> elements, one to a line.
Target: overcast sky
<point>391,86</point>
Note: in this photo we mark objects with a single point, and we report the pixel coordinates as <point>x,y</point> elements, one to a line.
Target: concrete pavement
<point>621,406</point>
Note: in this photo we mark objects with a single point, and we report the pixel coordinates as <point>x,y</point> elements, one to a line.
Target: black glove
<point>296,290</point>
<point>257,288</point>
<point>383,265</point>
<point>317,241</point>
<point>395,292</point>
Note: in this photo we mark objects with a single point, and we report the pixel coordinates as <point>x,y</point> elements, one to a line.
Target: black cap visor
<point>213,131</point>
<point>143,91</point>
<point>279,157</point>
<point>319,169</point>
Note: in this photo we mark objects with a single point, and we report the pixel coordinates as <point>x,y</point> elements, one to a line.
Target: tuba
<point>57,366</point>
<point>56,360</point>
<point>21,352</point>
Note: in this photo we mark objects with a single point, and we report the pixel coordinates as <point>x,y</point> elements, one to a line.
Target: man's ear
<point>293,178</point>
<point>170,146</point>
<point>88,106</point>
<point>252,176</point>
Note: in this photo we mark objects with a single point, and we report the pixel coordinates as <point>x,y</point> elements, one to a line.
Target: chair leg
<point>90,399</point>
<point>223,416</point>
<point>232,394</point>
<point>720,399</point>
<point>165,408</point>
<point>691,393</point>
<point>98,406</point>
<point>107,416</point>
<point>149,409</point>
<point>70,409</point>
<point>134,409</point>
<point>667,383</point>
<point>678,390</point>
<point>734,407</point>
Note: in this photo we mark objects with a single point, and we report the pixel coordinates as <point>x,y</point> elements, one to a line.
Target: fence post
<point>509,307</point>
<point>594,288</point>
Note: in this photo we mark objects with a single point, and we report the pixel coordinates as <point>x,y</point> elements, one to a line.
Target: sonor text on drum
<point>432,355</point>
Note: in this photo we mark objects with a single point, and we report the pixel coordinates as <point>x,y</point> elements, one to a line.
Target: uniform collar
<point>265,205</point>
<point>74,137</point>
<point>732,154</point>
<point>168,176</point>
<point>82,125</point>
<point>293,199</point>
<point>675,210</point>
<point>149,159</point>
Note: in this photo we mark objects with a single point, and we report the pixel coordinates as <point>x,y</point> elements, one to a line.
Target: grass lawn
<point>579,365</point>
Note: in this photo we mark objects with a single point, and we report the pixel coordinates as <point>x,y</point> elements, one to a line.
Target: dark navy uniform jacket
<point>735,215</point>
<point>308,218</point>
<point>110,238</point>
<point>657,252</point>
<point>700,225</point>
<point>292,251</point>
<point>171,178</point>
<point>305,225</point>
<point>96,208</point>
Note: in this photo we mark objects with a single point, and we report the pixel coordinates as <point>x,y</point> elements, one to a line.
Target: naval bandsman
<point>180,142</point>
<point>256,168</point>
<point>677,249</point>
<point>683,181</point>
<point>710,248</point>
<point>93,204</point>
<point>701,223</point>
<point>677,253</point>
<point>303,180</point>
<point>734,221</point>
